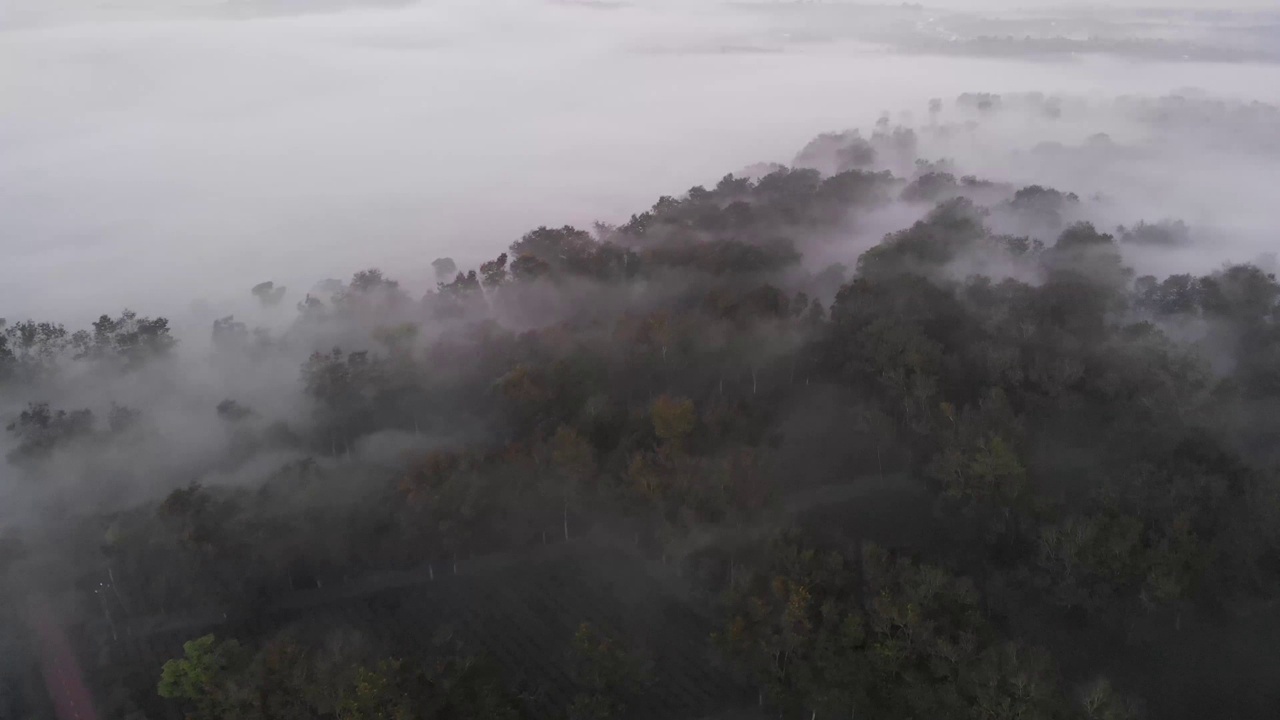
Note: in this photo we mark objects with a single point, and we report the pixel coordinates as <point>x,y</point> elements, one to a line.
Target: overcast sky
<point>181,155</point>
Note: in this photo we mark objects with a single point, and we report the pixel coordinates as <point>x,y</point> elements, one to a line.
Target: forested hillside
<point>687,464</point>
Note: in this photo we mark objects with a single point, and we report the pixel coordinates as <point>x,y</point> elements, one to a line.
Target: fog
<point>688,319</point>
<point>167,157</point>
<point>154,154</point>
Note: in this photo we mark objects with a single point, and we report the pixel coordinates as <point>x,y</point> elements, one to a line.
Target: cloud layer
<point>152,156</point>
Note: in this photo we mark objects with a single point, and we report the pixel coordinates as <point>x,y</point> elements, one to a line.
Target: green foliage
<point>797,629</point>
<point>378,694</point>
<point>886,637</point>
<point>205,678</point>
<point>288,681</point>
<point>451,689</point>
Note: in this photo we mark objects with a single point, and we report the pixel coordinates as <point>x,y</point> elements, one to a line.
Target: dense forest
<point>678,467</point>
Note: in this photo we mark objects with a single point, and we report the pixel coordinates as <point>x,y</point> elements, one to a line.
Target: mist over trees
<point>717,458</point>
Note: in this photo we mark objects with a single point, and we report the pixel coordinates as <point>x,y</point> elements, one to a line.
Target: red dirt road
<point>62,676</point>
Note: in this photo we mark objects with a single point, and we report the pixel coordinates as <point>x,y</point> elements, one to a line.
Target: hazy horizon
<point>293,147</point>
